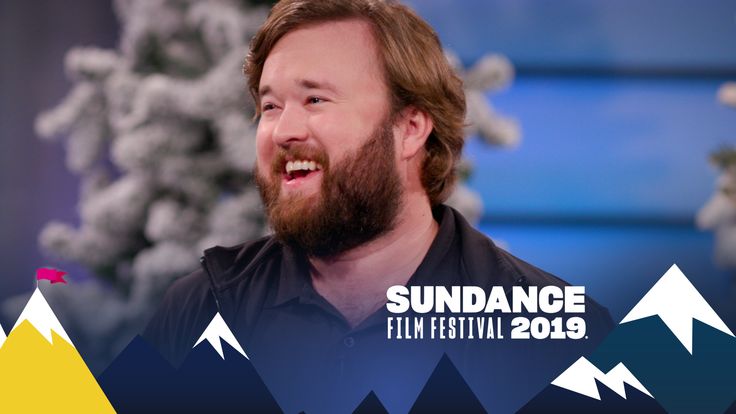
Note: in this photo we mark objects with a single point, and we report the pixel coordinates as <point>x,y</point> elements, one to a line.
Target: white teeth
<point>300,165</point>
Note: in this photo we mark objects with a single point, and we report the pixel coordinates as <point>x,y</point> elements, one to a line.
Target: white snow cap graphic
<point>2,336</point>
<point>39,314</point>
<point>676,301</point>
<point>580,378</point>
<point>216,331</point>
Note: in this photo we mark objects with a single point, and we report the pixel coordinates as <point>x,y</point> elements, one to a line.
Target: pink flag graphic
<point>52,275</point>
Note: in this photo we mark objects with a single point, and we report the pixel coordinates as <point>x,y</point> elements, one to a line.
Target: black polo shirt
<point>312,360</point>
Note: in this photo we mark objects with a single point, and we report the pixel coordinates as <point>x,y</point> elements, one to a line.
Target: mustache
<point>298,152</point>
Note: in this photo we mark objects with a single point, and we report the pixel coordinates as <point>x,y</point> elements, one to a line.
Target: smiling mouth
<point>300,168</point>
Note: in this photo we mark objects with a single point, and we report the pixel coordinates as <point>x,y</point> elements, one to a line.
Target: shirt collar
<point>426,274</point>
<point>294,279</point>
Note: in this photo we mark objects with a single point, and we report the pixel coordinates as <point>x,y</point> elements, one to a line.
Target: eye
<point>267,107</point>
<point>315,100</point>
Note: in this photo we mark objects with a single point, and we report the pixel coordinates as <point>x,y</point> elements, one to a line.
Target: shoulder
<point>192,301</point>
<point>525,273</point>
<point>224,266</point>
<point>486,264</point>
<point>182,313</point>
<point>598,317</point>
<point>188,290</point>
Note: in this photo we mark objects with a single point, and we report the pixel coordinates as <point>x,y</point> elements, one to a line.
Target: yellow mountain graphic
<point>39,377</point>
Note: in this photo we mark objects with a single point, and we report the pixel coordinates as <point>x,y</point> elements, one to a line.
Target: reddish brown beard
<point>358,201</point>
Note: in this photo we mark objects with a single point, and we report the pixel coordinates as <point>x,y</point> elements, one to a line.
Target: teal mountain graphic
<point>584,389</point>
<point>673,347</point>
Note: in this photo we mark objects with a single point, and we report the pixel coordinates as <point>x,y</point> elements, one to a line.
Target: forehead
<point>340,53</point>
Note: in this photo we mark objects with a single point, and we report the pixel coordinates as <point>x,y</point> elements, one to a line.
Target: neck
<point>356,281</point>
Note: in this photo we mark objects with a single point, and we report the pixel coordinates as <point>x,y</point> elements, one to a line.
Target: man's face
<point>326,162</point>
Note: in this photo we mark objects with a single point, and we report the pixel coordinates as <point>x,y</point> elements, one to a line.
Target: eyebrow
<point>264,90</point>
<point>311,84</point>
<point>304,83</point>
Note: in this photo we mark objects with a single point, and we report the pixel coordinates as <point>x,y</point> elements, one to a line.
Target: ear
<point>414,126</point>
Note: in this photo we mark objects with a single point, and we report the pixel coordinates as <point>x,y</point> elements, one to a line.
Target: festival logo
<point>670,353</point>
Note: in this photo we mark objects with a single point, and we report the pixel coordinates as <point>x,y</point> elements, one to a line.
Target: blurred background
<point>617,108</point>
<point>35,185</point>
<point>617,104</point>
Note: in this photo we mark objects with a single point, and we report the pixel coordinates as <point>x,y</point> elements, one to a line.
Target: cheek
<point>336,135</point>
<point>265,147</point>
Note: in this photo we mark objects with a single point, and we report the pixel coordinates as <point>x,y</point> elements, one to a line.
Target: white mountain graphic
<point>676,301</point>
<point>580,378</point>
<point>216,331</point>
<point>39,314</point>
<point>2,336</point>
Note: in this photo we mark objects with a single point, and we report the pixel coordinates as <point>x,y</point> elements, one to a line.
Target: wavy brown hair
<point>415,70</point>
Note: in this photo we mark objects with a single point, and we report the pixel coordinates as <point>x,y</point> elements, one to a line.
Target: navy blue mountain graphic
<point>371,405</point>
<point>446,392</point>
<point>140,380</point>
<point>231,385</point>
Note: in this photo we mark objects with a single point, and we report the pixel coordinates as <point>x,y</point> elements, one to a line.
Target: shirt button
<point>349,341</point>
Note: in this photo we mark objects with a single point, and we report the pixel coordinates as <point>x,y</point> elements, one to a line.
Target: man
<point>359,132</point>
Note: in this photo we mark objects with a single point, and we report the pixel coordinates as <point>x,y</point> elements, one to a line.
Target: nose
<point>290,127</point>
